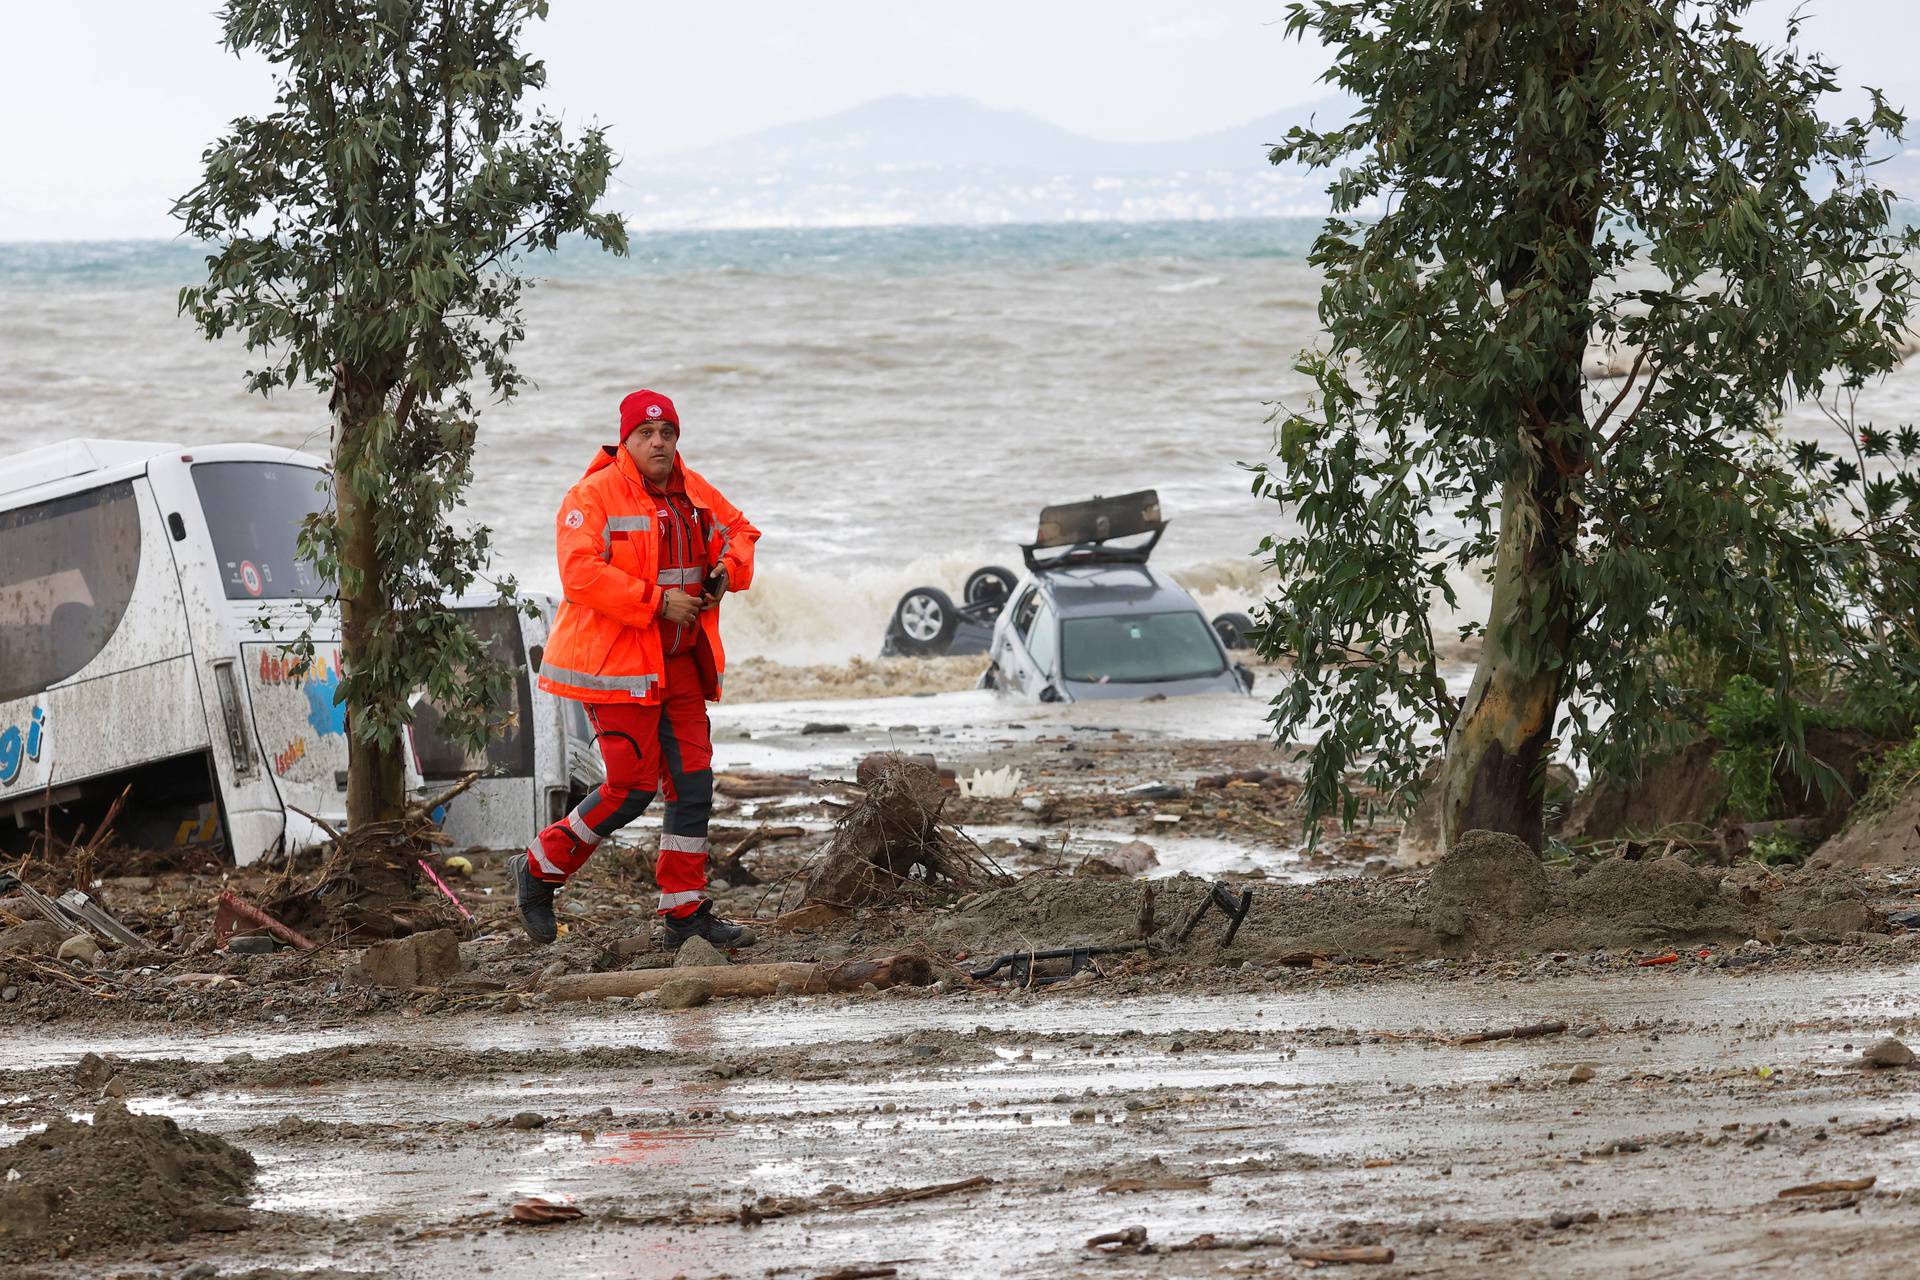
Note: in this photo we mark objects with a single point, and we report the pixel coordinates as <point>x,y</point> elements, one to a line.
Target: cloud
<point>1203,28</point>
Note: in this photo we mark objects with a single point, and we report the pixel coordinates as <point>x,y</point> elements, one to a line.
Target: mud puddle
<point>769,735</point>
<point>1306,1115</point>
<point>1878,999</point>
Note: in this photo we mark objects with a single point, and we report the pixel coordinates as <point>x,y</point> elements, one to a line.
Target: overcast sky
<point>106,104</point>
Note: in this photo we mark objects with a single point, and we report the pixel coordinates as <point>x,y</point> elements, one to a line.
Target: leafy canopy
<point>1521,179</point>
<point>367,235</point>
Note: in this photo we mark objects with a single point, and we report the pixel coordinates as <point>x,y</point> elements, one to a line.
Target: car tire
<point>990,585</point>
<point>1233,630</point>
<point>924,622</point>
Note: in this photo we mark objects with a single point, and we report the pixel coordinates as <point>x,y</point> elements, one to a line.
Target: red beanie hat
<point>645,406</point>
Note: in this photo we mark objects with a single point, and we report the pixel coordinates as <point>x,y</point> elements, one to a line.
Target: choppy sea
<point>892,406</point>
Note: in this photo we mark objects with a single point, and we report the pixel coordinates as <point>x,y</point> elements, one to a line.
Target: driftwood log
<point>751,979</point>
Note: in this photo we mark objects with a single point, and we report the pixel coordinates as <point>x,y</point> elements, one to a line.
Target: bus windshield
<point>254,511</point>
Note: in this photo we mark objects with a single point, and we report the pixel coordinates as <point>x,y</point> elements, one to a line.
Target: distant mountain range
<point>901,132</point>
<point>946,159</point>
<point>902,160</point>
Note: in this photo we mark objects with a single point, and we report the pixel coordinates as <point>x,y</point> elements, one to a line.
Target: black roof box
<point>1086,529</point>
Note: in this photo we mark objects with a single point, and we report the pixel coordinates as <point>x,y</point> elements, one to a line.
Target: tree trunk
<point>376,776</point>
<point>1498,748</point>
<point>1494,778</point>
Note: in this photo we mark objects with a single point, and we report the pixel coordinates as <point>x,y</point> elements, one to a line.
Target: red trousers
<point>665,747</point>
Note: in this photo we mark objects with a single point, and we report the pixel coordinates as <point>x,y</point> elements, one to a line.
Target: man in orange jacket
<point>647,549</point>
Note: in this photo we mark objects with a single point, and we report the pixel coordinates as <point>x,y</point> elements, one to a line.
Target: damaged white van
<point>146,594</point>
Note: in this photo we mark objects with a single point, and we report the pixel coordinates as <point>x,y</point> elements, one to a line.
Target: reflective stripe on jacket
<point>606,642</point>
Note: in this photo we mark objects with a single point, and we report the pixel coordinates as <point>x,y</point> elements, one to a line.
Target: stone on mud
<point>35,938</point>
<point>124,1180</point>
<point>685,993</point>
<point>1135,857</point>
<point>1486,875</point>
<point>419,960</point>
<point>82,948</point>
<point>1888,1053</point>
<point>698,953</point>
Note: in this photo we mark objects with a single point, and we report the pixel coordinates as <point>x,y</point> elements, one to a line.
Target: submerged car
<point>1091,618</point>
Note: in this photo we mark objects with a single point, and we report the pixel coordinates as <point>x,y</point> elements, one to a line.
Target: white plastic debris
<point>993,784</point>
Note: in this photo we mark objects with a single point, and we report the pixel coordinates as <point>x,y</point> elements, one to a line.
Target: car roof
<point>1082,590</point>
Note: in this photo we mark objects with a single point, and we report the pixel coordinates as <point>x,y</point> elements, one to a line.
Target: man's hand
<point>714,587</point>
<point>677,607</point>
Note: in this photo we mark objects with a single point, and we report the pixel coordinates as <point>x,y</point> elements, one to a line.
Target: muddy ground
<point>1225,1111</point>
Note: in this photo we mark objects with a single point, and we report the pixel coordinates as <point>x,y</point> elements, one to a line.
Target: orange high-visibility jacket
<point>606,644</point>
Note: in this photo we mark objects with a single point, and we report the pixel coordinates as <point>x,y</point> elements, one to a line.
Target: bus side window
<point>67,572</point>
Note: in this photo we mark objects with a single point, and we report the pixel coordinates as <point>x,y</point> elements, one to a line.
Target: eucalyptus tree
<point>1526,188</point>
<point>368,236</point>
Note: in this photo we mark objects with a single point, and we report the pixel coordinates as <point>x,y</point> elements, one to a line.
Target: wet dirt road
<point>1282,1117</point>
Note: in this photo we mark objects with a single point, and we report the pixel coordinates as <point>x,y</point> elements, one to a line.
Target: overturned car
<point>1090,619</point>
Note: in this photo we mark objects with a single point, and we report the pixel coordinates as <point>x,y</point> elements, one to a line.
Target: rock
<point>34,938</point>
<point>1134,857</point>
<point>82,948</point>
<point>1156,791</point>
<point>625,949</point>
<point>1580,1074</point>
<point>529,1120</point>
<point>810,917</point>
<point>1888,1053</point>
<point>925,1050</point>
<point>1560,1221</point>
<point>1485,875</point>
<point>422,959</point>
<point>92,1071</point>
<point>115,1088</point>
<point>252,944</point>
<point>9,994</point>
<point>698,953</point>
<point>685,993</point>
<point>815,727</point>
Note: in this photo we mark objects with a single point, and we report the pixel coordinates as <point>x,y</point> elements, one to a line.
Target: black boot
<point>704,924</point>
<point>534,897</point>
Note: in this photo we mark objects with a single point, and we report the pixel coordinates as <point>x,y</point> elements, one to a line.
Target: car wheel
<point>1233,628</point>
<point>991,585</point>
<point>924,622</point>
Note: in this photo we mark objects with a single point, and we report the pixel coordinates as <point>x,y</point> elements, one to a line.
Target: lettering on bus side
<point>20,745</point>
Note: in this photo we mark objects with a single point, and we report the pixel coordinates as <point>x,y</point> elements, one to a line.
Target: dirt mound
<point>1485,878</point>
<point>1889,837</point>
<point>1661,891</point>
<point>125,1179</point>
<point>1823,905</point>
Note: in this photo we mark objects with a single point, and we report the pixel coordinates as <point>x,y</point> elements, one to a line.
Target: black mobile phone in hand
<point>711,587</point>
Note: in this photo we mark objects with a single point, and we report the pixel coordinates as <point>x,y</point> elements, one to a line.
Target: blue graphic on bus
<point>18,746</point>
<point>323,713</point>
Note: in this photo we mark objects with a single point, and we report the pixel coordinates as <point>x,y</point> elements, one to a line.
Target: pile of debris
<point>366,884</point>
<point>893,846</point>
<point>123,1180</point>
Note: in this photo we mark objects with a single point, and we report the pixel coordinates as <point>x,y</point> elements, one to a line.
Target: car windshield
<point>1134,647</point>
